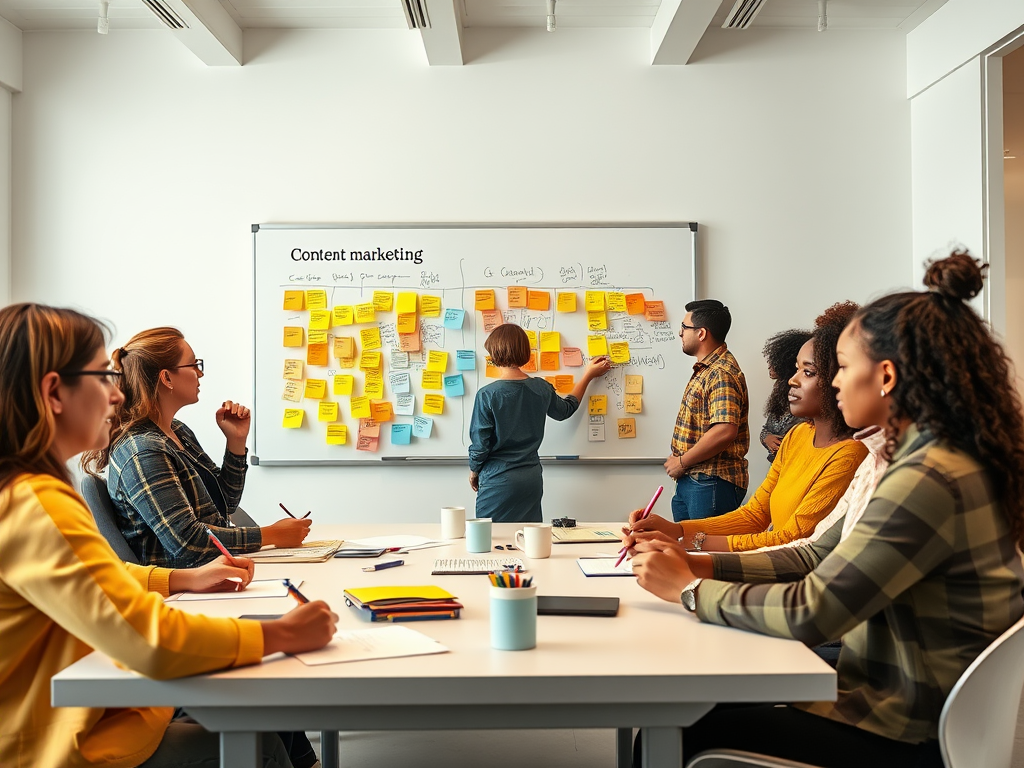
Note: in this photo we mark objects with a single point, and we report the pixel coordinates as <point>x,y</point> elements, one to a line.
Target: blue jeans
<point>698,496</point>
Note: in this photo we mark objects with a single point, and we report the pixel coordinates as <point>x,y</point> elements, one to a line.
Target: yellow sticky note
<point>315,389</point>
<point>430,306</point>
<point>635,303</point>
<point>437,360</point>
<point>531,366</point>
<point>538,300</point>
<point>365,313</point>
<point>381,411</point>
<point>295,300</point>
<point>316,299</point>
<point>407,322</point>
<point>619,351</point>
<point>343,315</point>
<point>343,384</point>
<point>327,412</point>
<point>654,311</point>
<point>549,361</point>
<point>359,407</point>
<point>293,337</point>
<point>634,403</point>
<point>532,336</point>
<point>292,391</point>
<point>346,362</point>
<point>293,369</point>
<point>344,347</point>
<point>566,302</point>
<point>406,303</point>
<point>550,341</point>
<point>597,321</point>
<point>598,405</point>
<point>431,380</point>
<point>373,386</point>
<point>293,418</point>
<point>616,301</point>
<point>337,434</point>
<point>316,354</point>
<point>370,338</point>
<point>316,337</point>
<point>433,404</point>
<point>491,371</point>
<point>626,428</point>
<point>634,385</point>
<point>516,296</point>
<point>484,299</point>
<point>564,384</point>
<point>369,361</point>
<point>597,345</point>
<point>319,320</point>
<point>383,301</point>
<point>595,301</point>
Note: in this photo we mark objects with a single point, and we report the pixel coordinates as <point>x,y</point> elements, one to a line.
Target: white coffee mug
<point>453,522</point>
<point>535,540</point>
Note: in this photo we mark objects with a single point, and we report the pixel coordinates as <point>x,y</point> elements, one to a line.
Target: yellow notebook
<point>378,596</point>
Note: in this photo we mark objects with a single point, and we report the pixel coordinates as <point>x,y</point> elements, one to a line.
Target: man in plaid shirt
<point>711,436</point>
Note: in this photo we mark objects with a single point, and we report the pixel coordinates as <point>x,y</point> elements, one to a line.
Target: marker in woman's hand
<point>647,511</point>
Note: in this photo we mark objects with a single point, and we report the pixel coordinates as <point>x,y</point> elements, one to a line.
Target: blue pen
<point>382,566</point>
<point>294,591</point>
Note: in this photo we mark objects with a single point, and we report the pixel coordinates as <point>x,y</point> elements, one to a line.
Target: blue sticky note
<point>399,382</point>
<point>453,318</point>
<point>465,360</point>
<point>422,426</point>
<point>401,434</point>
<point>453,386</point>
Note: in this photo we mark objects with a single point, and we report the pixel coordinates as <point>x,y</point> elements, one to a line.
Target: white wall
<point>138,172</point>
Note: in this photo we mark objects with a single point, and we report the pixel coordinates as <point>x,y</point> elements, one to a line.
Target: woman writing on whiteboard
<point>64,591</point>
<point>508,426</point>
<point>166,489</point>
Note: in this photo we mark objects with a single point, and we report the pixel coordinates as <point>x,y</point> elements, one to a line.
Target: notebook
<point>580,535</point>
<point>463,565</point>
<point>309,552</point>
<point>604,566</point>
<point>415,603</point>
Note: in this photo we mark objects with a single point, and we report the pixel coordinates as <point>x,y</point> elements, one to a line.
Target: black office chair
<point>94,489</point>
<point>241,519</point>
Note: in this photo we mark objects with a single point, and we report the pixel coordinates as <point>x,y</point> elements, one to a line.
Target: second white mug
<point>535,540</point>
<point>453,522</point>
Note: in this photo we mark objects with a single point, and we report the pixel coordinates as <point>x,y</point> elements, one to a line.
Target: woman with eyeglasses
<point>63,591</point>
<point>165,487</point>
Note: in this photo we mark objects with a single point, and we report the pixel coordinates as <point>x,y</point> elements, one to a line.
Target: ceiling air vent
<point>416,14</point>
<point>743,14</point>
<point>166,14</point>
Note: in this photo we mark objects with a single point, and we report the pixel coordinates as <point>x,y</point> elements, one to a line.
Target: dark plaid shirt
<point>163,502</point>
<point>928,577</point>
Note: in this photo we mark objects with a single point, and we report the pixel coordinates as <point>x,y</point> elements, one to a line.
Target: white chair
<point>977,724</point>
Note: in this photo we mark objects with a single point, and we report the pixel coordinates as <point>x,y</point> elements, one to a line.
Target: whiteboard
<point>352,262</point>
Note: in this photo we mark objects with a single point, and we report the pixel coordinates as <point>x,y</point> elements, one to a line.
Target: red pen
<point>282,506</point>
<point>294,591</point>
<point>624,550</point>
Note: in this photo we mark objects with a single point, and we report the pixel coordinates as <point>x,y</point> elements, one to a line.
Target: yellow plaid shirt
<point>715,394</point>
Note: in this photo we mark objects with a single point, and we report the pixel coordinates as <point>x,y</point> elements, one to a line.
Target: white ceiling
<point>387,14</point>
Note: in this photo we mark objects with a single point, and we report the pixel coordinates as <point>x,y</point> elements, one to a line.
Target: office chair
<point>977,723</point>
<point>94,489</point>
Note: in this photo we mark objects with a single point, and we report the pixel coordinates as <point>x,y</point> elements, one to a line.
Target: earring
<point>884,393</point>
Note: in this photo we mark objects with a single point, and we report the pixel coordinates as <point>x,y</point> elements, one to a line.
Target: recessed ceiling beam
<point>443,39</point>
<point>210,33</point>
<point>678,26</point>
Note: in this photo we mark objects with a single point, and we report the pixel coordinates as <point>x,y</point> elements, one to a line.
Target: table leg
<point>240,750</point>
<point>330,754</point>
<point>624,748</point>
<point>662,747</point>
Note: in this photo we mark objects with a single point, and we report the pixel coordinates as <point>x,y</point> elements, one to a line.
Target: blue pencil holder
<point>513,618</point>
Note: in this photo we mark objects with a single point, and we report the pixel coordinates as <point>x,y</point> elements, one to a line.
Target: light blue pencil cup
<point>478,535</point>
<point>513,618</point>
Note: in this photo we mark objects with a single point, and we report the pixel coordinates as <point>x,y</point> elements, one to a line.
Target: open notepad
<point>582,534</point>
<point>604,566</point>
<point>256,588</point>
<point>309,552</point>
<point>365,644</point>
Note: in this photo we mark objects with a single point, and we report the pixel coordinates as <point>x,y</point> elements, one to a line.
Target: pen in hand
<point>293,517</point>
<point>294,592</point>
<point>647,511</point>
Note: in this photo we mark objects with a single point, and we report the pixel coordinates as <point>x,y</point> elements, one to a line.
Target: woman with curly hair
<point>780,351</point>
<point>816,461</point>
<point>928,576</point>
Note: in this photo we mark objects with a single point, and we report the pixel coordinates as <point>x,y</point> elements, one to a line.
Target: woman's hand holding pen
<point>598,366</point>
<point>225,574</point>
<point>233,420</point>
<point>288,532</point>
<point>637,524</point>
<point>306,628</point>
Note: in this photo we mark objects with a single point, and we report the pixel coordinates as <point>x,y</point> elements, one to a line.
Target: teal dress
<point>506,430</point>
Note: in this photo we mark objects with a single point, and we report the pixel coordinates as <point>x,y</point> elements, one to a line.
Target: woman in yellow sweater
<point>63,591</point>
<point>815,464</point>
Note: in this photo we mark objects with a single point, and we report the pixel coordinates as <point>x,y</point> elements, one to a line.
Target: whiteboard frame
<point>397,461</point>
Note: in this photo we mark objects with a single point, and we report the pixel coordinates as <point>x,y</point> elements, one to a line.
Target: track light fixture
<point>103,23</point>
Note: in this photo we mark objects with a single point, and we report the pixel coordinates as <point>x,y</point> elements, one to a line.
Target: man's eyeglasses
<point>198,365</point>
<point>684,326</point>
<point>110,376</point>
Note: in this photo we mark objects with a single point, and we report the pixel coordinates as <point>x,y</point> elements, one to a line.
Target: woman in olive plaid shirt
<point>927,578</point>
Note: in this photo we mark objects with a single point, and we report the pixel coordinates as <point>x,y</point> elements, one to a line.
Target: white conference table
<point>653,666</point>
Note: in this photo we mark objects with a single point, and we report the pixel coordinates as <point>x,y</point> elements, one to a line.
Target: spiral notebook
<point>464,565</point>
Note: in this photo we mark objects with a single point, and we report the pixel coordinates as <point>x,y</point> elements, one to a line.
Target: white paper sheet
<point>364,644</point>
<point>404,541</point>
<point>604,566</point>
<point>261,588</point>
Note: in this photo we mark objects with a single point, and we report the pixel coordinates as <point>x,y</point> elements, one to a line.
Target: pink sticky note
<point>572,357</point>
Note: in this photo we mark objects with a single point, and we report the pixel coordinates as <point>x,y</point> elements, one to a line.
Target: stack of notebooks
<point>419,603</point>
<point>309,552</point>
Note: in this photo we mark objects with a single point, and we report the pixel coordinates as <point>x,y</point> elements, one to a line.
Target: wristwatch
<point>688,597</point>
<point>698,540</point>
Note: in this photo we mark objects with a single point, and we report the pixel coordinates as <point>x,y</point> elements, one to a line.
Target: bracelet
<point>698,540</point>
<point>681,461</point>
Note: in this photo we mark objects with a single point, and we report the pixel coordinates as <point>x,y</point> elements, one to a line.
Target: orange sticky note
<point>539,300</point>
<point>566,302</point>
<point>516,296</point>
<point>552,380</point>
<point>531,367</point>
<point>316,354</point>
<point>549,361</point>
<point>491,319</point>
<point>381,410</point>
<point>484,299</point>
<point>293,337</point>
<point>316,298</point>
<point>409,342</point>
<point>635,303</point>
<point>491,371</point>
<point>293,418</point>
<point>572,357</point>
<point>634,385</point>
<point>369,427</point>
<point>634,403</point>
<point>626,428</point>
<point>295,300</point>
<point>344,346</point>
<point>367,443</point>
<point>550,341</point>
<point>564,384</point>
<point>654,311</point>
<point>407,322</point>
